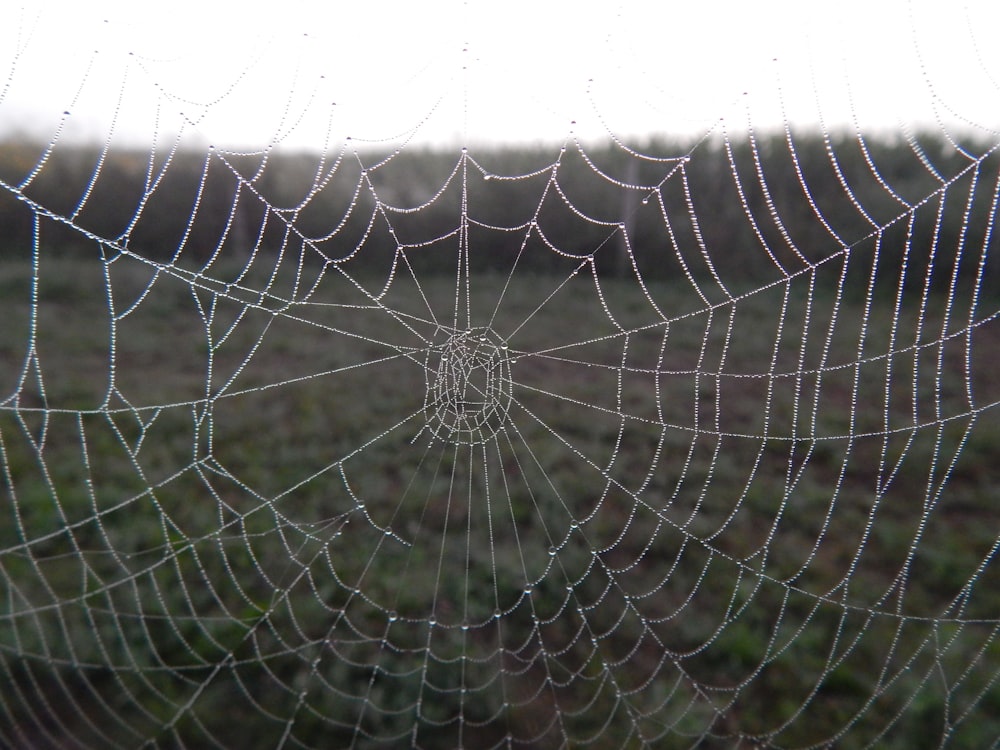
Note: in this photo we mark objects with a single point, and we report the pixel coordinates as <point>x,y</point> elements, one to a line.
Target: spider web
<point>534,451</point>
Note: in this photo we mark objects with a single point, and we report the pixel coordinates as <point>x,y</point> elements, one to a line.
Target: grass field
<point>227,518</point>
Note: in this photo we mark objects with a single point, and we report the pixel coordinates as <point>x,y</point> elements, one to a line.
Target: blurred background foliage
<point>754,206</point>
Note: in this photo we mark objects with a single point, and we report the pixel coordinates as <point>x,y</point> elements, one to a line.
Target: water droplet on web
<point>645,201</point>
<point>393,616</point>
<point>552,550</point>
<point>497,613</point>
<point>487,177</point>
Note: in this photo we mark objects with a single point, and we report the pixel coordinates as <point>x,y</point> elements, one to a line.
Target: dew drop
<point>393,616</point>
<point>497,613</point>
<point>645,201</point>
<point>487,177</point>
<point>552,550</point>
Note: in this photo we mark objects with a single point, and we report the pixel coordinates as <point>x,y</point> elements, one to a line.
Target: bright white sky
<point>447,71</point>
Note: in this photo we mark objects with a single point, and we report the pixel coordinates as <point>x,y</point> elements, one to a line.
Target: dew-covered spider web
<point>618,442</point>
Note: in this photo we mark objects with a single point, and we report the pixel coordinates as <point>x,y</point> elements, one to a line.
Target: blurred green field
<point>225,518</point>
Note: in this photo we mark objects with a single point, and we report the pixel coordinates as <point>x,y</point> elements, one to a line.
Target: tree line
<point>750,207</point>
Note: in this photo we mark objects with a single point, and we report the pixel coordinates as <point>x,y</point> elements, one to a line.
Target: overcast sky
<point>301,74</point>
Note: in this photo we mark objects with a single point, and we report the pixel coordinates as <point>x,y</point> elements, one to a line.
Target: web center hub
<point>469,387</point>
